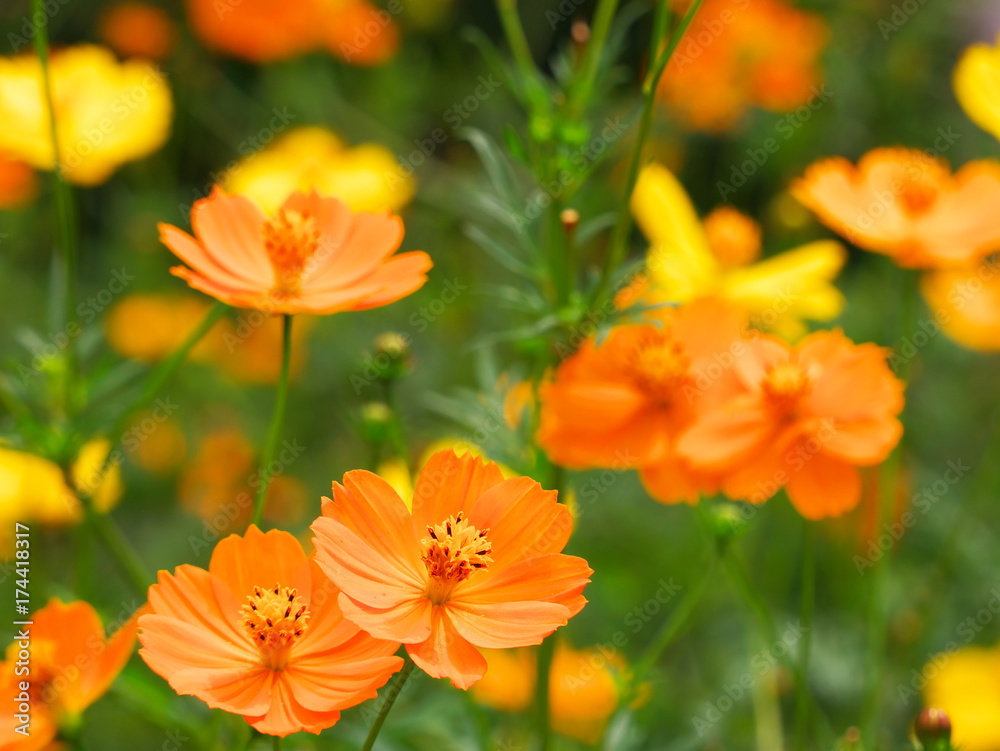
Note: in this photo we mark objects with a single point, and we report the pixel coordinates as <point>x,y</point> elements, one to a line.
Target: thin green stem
<point>276,743</point>
<point>675,624</point>
<point>390,699</point>
<point>115,541</point>
<point>65,226</point>
<point>807,607</point>
<point>592,55</point>
<point>619,236</point>
<point>543,723</point>
<point>891,471</point>
<point>516,38</point>
<point>277,419</point>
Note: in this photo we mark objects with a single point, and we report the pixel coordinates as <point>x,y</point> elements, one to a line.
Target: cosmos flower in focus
<point>137,29</point>
<point>476,564</point>
<point>966,685</point>
<point>259,634</point>
<point>805,419</point>
<point>107,112</point>
<point>623,401</point>
<point>908,205</point>
<point>364,177</point>
<point>690,259</point>
<point>586,686</point>
<point>264,31</point>
<point>977,85</point>
<point>312,256</point>
<point>739,54</point>
<point>72,665</point>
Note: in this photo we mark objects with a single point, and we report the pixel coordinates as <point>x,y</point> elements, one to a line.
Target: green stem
<point>891,471</point>
<point>64,205</point>
<point>121,549</point>
<point>592,55</point>
<point>390,699</point>
<point>274,431</point>
<point>675,624</point>
<point>543,724</point>
<point>619,236</point>
<point>808,605</point>
<point>276,743</point>
<point>516,38</point>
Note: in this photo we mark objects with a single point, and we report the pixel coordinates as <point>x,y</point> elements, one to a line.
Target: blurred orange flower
<point>623,401</point>
<point>73,664</point>
<point>263,31</point>
<point>107,112</point>
<point>805,419</point>
<point>739,54</point>
<point>476,564</point>
<point>136,29</point>
<point>260,635</point>
<point>313,256</point>
<point>966,304</point>
<point>586,686</point>
<point>149,326</point>
<point>907,205</point>
<point>18,184</point>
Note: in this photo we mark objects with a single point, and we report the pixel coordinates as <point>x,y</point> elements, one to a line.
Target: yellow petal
<point>977,86</point>
<point>780,291</point>
<point>395,472</point>
<point>966,304</point>
<point>680,262</point>
<point>106,488</point>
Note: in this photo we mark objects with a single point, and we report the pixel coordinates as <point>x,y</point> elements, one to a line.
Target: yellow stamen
<point>290,239</point>
<point>453,550</point>
<point>275,618</point>
<point>660,367</point>
<point>786,383</point>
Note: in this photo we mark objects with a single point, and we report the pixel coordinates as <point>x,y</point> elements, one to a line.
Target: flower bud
<point>391,355</point>
<point>376,422</point>
<point>933,729</point>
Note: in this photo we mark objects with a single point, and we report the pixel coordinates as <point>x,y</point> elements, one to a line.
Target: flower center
<point>660,367</point>
<point>452,551</point>
<point>785,384</point>
<point>733,237</point>
<point>290,239</point>
<point>921,184</point>
<point>274,618</point>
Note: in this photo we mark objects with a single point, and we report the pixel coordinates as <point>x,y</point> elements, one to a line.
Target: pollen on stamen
<point>275,617</point>
<point>454,549</point>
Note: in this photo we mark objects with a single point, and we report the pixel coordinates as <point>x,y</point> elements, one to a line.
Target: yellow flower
<point>365,177</point>
<point>148,327</point>
<point>107,112</point>
<point>977,85</point>
<point>966,304</point>
<point>966,685</point>
<point>586,686</point>
<point>33,489</point>
<point>689,259</point>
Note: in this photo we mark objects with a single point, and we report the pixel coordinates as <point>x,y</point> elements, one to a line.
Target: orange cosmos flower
<point>805,419</point>
<point>135,29</point>
<point>739,54</point>
<point>260,635</point>
<point>476,564</point>
<point>966,303</point>
<point>622,403</point>
<point>312,256</point>
<point>907,205</point>
<point>263,31</point>
<point>72,665</point>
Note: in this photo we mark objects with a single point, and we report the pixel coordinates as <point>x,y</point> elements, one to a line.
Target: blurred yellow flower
<point>689,259</point>
<point>966,685</point>
<point>977,85</point>
<point>365,177</point>
<point>966,304</point>
<point>586,686</point>
<point>148,327</point>
<point>33,489</point>
<point>107,112</point>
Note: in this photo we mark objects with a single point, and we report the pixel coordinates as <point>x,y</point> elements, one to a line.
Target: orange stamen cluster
<point>290,239</point>
<point>274,618</point>
<point>453,550</point>
<point>660,367</point>
<point>785,384</point>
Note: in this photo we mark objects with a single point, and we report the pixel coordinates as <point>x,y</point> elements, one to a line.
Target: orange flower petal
<point>379,234</point>
<point>287,716</point>
<point>230,228</point>
<point>673,481</point>
<point>728,435</point>
<point>407,623</point>
<point>448,484</point>
<point>824,487</point>
<point>550,578</point>
<point>447,654</point>
<point>863,442</point>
